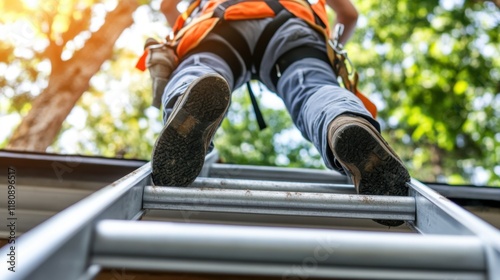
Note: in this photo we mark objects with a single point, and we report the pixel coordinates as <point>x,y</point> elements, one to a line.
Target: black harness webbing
<point>294,55</point>
<point>235,39</point>
<point>222,50</point>
<point>265,37</point>
<point>238,42</point>
<point>258,114</point>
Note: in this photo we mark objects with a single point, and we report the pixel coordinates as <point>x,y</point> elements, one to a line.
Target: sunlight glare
<point>31,3</point>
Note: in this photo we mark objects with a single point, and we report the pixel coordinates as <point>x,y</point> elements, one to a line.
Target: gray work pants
<point>308,87</point>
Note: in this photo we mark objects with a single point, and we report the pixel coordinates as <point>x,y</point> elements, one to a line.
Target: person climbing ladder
<point>220,45</point>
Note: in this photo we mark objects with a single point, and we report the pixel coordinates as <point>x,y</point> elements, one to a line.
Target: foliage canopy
<point>433,68</point>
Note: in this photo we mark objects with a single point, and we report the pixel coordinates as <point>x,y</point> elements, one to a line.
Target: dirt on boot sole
<point>179,152</point>
<point>376,170</point>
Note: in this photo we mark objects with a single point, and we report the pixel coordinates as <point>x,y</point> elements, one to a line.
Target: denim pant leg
<point>309,88</point>
<point>314,98</point>
<point>189,70</point>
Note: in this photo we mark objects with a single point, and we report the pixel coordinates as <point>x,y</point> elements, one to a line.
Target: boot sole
<point>366,157</point>
<point>179,152</point>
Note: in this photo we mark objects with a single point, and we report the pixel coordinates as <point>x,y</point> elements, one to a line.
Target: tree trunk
<point>436,162</point>
<point>68,81</point>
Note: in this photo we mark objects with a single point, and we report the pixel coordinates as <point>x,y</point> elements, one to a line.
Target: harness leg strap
<point>294,55</point>
<point>227,54</point>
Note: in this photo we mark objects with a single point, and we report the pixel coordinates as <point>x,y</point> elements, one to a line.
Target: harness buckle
<point>337,32</point>
<point>338,48</point>
<point>219,11</point>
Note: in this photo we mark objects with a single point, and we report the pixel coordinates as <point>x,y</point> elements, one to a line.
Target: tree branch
<point>77,26</point>
<point>53,51</point>
<point>66,84</point>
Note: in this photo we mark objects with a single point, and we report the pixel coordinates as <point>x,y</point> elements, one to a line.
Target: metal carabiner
<point>338,47</point>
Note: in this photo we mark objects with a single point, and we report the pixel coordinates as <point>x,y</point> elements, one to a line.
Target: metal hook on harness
<point>337,32</point>
<point>339,48</point>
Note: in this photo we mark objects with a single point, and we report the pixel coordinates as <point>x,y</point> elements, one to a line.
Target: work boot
<point>179,152</point>
<point>374,167</point>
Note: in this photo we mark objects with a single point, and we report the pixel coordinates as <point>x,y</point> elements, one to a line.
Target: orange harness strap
<point>187,37</point>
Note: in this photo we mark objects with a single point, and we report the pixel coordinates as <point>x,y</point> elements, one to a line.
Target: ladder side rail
<point>239,249</point>
<point>59,247</point>
<point>435,214</point>
<point>467,192</point>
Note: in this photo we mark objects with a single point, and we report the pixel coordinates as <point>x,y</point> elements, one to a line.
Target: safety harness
<point>187,37</point>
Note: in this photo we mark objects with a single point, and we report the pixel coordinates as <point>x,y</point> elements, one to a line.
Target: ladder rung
<point>251,172</point>
<point>257,185</point>
<point>279,203</point>
<point>240,249</point>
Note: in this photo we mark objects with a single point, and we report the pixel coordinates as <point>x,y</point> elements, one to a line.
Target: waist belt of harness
<point>238,42</point>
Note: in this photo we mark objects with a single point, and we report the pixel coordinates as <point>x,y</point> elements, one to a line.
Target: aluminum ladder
<point>102,231</point>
